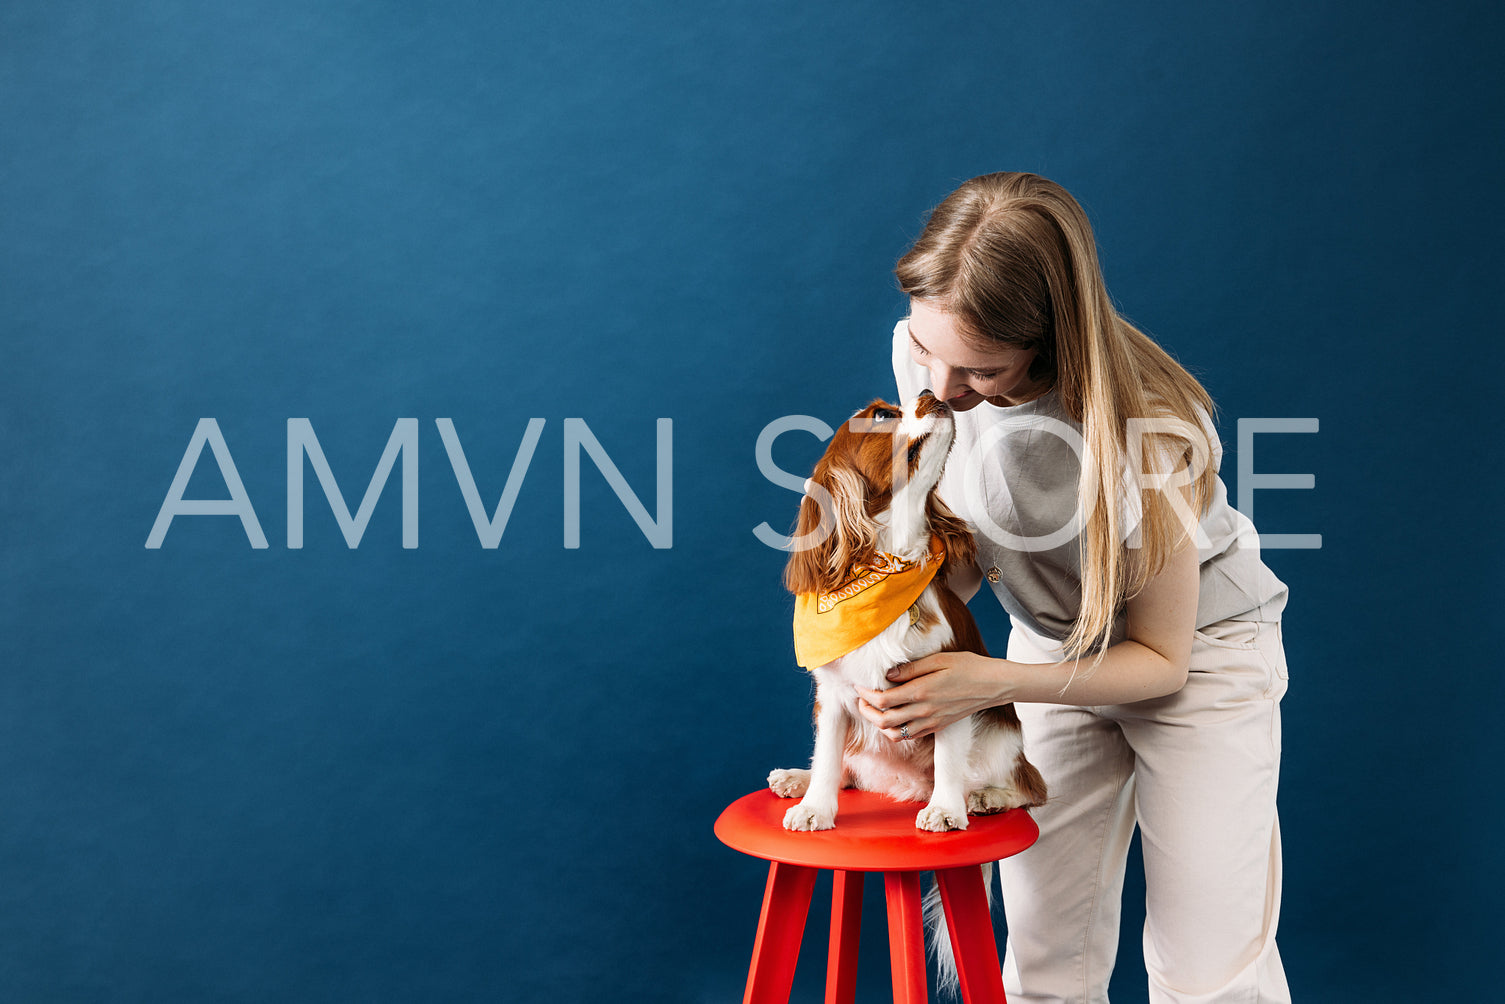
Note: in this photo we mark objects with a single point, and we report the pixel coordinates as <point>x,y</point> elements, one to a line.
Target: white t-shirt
<point>1014,474</point>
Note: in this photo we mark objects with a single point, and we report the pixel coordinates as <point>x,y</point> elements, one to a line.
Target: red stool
<point>873,834</point>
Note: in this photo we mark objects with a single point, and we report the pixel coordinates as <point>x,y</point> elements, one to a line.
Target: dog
<point>873,548</point>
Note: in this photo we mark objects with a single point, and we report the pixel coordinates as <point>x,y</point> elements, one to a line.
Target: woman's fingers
<point>906,671</point>
<point>886,702</point>
<point>904,721</point>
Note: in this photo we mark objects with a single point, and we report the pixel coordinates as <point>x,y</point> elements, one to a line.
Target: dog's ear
<point>834,531</point>
<point>813,542</point>
<point>855,539</point>
<point>956,535</point>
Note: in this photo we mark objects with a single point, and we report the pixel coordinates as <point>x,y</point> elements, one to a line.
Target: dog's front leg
<point>817,810</point>
<point>948,803</point>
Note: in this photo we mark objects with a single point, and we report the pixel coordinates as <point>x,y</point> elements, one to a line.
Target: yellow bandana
<point>829,625</point>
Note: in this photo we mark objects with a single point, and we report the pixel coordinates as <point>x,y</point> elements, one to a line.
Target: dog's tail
<point>946,978</point>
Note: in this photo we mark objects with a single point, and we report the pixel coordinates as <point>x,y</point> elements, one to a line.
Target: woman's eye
<point>916,347</point>
<point>982,376</point>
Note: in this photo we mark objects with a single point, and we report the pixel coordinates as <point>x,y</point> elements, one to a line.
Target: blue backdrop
<point>459,773</point>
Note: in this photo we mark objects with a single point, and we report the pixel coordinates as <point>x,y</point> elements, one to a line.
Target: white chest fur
<point>913,635</point>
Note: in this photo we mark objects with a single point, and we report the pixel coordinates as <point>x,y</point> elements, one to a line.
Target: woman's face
<point>962,374</point>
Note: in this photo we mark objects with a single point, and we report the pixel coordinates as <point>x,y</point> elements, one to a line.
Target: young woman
<point>1145,653</point>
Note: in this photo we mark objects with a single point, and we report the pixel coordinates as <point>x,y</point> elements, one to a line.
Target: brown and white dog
<point>976,765</point>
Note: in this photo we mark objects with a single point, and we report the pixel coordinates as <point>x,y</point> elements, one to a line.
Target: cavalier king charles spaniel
<point>872,550</point>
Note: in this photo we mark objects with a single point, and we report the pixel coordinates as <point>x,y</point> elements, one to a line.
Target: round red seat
<point>872,833</point>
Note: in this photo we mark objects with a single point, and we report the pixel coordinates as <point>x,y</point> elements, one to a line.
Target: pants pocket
<point>1242,635</point>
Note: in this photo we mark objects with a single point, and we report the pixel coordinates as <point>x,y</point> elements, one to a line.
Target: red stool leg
<point>906,937</point>
<point>846,929</point>
<point>971,928</point>
<point>786,902</point>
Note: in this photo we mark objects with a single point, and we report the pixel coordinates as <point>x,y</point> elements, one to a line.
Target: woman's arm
<point>1151,662</point>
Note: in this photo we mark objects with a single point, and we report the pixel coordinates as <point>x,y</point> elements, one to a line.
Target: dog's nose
<point>926,404</point>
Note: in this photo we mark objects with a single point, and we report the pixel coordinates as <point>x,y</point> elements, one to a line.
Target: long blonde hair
<point>1012,257</point>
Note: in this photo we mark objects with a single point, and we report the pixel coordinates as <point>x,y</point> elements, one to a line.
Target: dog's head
<point>874,491</point>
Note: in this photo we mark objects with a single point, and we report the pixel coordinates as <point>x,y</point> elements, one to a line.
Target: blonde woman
<point>1145,653</point>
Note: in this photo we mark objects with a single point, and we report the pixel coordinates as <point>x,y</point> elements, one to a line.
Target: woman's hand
<point>931,693</point>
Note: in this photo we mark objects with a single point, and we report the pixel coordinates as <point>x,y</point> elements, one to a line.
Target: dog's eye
<point>884,414</point>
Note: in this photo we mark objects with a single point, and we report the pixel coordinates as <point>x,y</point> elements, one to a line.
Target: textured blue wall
<point>452,773</point>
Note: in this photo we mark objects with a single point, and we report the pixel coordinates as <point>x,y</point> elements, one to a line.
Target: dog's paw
<point>790,783</point>
<point>992,799</point>
<point>809,817</point>
<point>939,819</point>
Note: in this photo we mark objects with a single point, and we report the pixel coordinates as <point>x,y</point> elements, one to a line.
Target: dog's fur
<point>976,765</point>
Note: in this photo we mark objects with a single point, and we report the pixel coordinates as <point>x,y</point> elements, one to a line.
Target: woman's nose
<point>946,382</point>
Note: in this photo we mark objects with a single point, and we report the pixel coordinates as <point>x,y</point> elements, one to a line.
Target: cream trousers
<point>1198,772</point>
